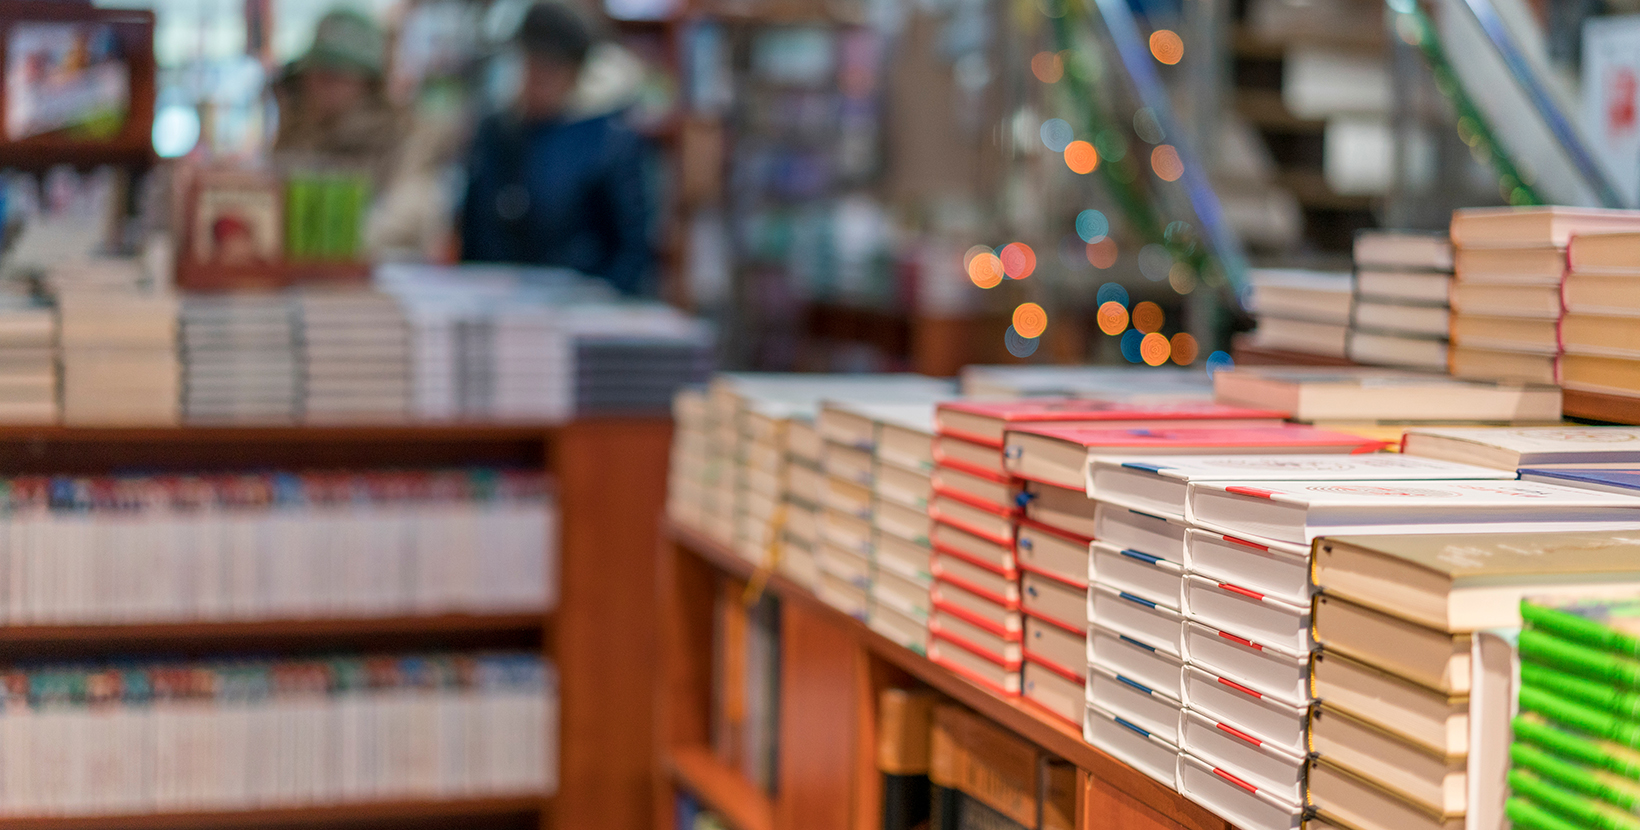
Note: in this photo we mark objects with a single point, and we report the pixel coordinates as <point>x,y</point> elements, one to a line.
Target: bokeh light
<point>1056,134</point>
<point>1148,126</point>
<point>1219,362</point>
<point>1030,320</point>
<point>985,269</point>
<point>1048,67</point>
<point>1182,277</point>
<point>1166,46</point>
<point>1130,345</point>
<point>1081,158</point>
<point>1019,345</point>
<point>1102,254</point>
<point>1112,292</point>
<point>1018,260</point>
<point>1148,317</point>
<point>1092,225</point>
<point>1154,262</point>
<point>1165,161</point>
<point>968,255</point>
<point>1113,318</point>
<point>1155,349</point>
<point>1184,349</point>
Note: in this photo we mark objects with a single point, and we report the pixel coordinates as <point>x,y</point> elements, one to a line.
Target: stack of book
<point>119,359</point>
<point>1134,384</point>
<point>1301,311</point>
<point>239,358</point>
<point>1351,395</point>
<point>28,364</point>
<point>1400,314</point>
<point>1509,264</point>
<point>135,738</point>
<point>901,490</point>
<point>1395,732</point>
<point>691,471</point>
<point>356,356</point>
<point>1572,760</point>
<point>1599,332</point>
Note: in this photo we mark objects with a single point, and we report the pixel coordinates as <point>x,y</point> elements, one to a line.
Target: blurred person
<point>558,180</point>
<point>333,110</point>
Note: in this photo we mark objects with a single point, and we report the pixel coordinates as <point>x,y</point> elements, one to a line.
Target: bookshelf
<point>601,635</point>
<point>832,667</point>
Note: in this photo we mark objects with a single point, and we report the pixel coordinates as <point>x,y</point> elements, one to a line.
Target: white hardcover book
<point>1138,618</point>
<point>1513,448</point>
<point>1126,529</point>
<point>1247,613</point>
<point>1274,771</point>
<point>1297,513</point>
<point>1239,802</point>
<point>1131,657</point>
<point>1266,669</point>
<point>1272,568</point>
<point>1265,718</point>
<point>1160,486</point>
<point>1149,708</point>
<point>1146,752</point>
<point>1139,574</point>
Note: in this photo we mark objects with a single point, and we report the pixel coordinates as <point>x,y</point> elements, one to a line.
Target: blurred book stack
<point>1106,383</point>
<point>239,358</point>
<point>690,471</point>
<point>119,359</point>
<point>356,356</point>
<point>1400,315</point>
<point>1301,311</point>
<point>1572,761</point>
<point>1508,266</point>
<point>1600,332</point>
<point>631,358</point>
<point>901,490</point>
<point>28,364</point>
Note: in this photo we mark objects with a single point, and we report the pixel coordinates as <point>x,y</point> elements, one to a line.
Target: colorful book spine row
<point>275,546</point>
<point>181,737</point>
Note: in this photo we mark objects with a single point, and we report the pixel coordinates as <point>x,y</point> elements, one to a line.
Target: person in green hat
<point>333,110</point>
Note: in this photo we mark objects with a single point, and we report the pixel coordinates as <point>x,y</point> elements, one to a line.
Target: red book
<point>985,422</point>
<point>1059,455</point>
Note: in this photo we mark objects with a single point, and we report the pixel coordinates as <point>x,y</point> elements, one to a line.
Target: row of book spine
<point>136,738</point>
<point>275,546</point>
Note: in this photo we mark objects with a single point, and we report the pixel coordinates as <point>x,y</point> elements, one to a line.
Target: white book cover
<point>1511,448</point>
<point>1299,512</point>
<point>1158,486</point>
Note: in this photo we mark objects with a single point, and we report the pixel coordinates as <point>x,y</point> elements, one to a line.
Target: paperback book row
<point>427,344</point>
<point>276,546</point>
<point>1534,295</point>
<point>1143,568</point>
<point>135,738</point>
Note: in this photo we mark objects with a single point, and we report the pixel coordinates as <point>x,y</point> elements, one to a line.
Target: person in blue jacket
<point>547,185</point>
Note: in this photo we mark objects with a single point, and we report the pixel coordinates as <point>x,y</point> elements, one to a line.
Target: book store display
<point>1272,605</point>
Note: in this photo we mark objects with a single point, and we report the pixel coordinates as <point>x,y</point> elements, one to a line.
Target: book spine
<point>1534,729</point>
<point>1579,629</point>
<point>1569,656</point>
<point>1618,702</point>
<point>1588,812</point>
<point>1590,781</point>
<point>1580,717</point>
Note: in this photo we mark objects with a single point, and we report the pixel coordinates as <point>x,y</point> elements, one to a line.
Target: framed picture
<point>237,222</point>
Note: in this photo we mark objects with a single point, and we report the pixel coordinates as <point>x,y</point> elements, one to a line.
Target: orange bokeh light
<point>1048,67</point>
<point>1155,349</point>
<point>1148,317</point>
<point>1166,46</point>
<point>1165,161</point>
<point>1018,260</point>
<point>1113,318</point>
<point>985,269</point>
<point>1081,158</point>
<point>1102,254</point>
<point>1184,349</point>
<point>1030,320</point>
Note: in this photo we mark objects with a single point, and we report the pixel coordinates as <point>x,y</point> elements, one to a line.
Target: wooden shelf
<point>722,789</point>
<point>397,814</point>
<point>1022,717</point>
<point>1593,406</point>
